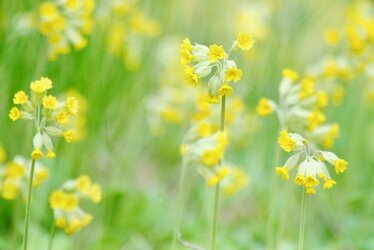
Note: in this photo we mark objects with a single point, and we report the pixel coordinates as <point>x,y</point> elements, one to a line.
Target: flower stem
<point>181,196</point>
<point>216,196</point>
<point>304,198</point>
<point>51,236</point>
<point>27,215</point>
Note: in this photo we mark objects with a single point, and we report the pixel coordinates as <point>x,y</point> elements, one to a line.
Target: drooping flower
<point>65,202</point>
<point>310,163</point>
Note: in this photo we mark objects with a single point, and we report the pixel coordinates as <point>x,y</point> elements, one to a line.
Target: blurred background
<point>124,69</point>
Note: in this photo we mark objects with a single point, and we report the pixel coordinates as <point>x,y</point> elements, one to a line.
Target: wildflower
<point>65,203</point>
<point>20,98</point>
<point>65,24</point>
<point>215,53</point>
<point>332,37</point>
<point>264,107</point>
<point>309,161</point>
<point>15,114</point>
<point>290,74</point>
<point>200,61</point>
<point>245,41</point>
<point>14,179</point>
<point>51,116</point>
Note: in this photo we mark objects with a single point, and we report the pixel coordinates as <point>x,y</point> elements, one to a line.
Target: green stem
<point>180,205</point>
<point>51,236</point>
<point>216,195</point>
<point>27,216</point>
<point>304,198</point>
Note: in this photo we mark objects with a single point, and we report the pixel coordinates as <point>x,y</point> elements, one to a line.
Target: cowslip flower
<point>128,28</point>
<point>51,116</point>
<point>300,107</point>
<point>213,62</point>
<point>14,179</point>
<point>65,202</point>
<point>66,23</point>
<point>309,161</point>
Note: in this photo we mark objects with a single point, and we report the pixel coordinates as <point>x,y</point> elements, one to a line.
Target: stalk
<point>51,236</point>
<point>304,198</point>
<point>216,196</point>
<point>27,215</point>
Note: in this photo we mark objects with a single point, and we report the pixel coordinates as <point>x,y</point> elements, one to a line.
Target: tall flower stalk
<point>213,62</point>
<point>51,118</point>
<point>304,198</point>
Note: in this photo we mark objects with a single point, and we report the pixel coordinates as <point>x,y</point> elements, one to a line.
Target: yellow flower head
<point>57,199</point>
<point>245,41</point>
<point>62,117</point>
<point>20,98</point>
<point>72,105</point>
<point>50,102</point>
<point>225,90</point>
<point>68,135</point>
<point>190,76</point>
<point>233,74</point>
<point>290,74</point>
<point>216,52</point>
<point>37,154</point>
<point>71,202</point>
<point>332,37</point>
<point>48,10</point>
<point>51,154</point>
<point>95,193</point>
<point>84,184</point>
<point>340,166</point>
<point>264,107</point>
<point>282,171</point>
<point>15,114</point>
<point>329,183</point>
<point>286,142</point>
<point>40,86</point>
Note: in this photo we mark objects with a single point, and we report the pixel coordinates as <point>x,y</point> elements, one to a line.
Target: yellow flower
<point>213,181</point>
<point>216,52</point>
<point>225,90</point>
<point>62,117</point>
<point>186,49</point>
<point>190,76</point>
<point>310,181</point>
<point>315,118</point>
<point>71,202</point>
<point>68,135</point>
<point>9,190</point>
<point>290,74</point>
<point>233,74</point>
<point>307,88</point>
<point>211,157</point>
<point>286,142</point>
<point>310,190</point>
<point>15,170</point>
<point>41,175</point>
<point>95,193</point>
<point>282,171</point>
<point>245,41</point>
<point>40,86</point>
<point>50,154</point>
<point>50,102</point>
<point>48,9</point>
<point>15,114</point>
<point>205,129</point>
<point>37,154</point>
<point>332,37</point>
<point>264,107</point>
<point>84,184</point>
<point>72,105</point>
<point>60,222</point>
<point>20,98</point>
<point>322,99</point>
<point>57,199</point>
<point>329,183</point>
<point>340,166</point>
<point>300,179</point>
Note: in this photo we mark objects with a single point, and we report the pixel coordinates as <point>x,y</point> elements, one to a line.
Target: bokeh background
<point>130,146</point>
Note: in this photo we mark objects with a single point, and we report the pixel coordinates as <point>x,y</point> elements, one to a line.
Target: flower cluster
<point>300,108</point>
<point>66,23</point>
<point>206,152</point>
<point>201,61</point>
<point>65,203</point>
<point>14,178</point>
<point>128,27</point>
<point>309,161</point>
<point>51,116</point>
